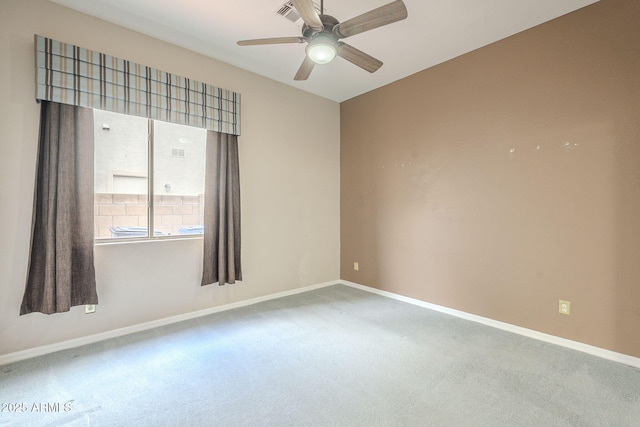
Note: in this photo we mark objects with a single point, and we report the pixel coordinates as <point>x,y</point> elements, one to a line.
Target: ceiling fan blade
<point>308,14</point>
<point>387,14</point>
<point>273,40</point>
<point>358,57</point>
<point>305,69</point>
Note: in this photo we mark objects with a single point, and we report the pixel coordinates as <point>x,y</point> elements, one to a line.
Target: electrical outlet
<point>564,307</point>
<point>89,308</point>
<point>356,267</point>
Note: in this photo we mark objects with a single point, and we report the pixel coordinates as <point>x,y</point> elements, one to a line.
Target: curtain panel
<point>61,271</point>
<point>73,75</point>
<point>221,211</point>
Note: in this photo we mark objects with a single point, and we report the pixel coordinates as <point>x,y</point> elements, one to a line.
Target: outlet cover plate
<point>564,307</point>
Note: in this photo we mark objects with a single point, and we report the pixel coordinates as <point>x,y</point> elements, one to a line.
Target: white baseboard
<point>563,342</point>
<point>77,342</point>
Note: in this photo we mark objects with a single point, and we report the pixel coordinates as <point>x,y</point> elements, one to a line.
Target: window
<point>149,175</point>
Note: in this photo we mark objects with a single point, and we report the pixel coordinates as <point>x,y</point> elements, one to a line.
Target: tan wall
<point>290,187</point>
<point>506,179</point>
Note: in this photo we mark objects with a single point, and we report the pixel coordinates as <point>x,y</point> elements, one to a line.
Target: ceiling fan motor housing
<point>328,22</point>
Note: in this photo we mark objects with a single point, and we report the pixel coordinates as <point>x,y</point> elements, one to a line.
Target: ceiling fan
<point>323,33</point>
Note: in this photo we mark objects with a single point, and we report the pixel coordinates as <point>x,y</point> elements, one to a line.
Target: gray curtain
<point>61,271</point>
<point>221,210</point>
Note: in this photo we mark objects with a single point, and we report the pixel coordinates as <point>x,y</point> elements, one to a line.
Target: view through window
<point>149,175</point>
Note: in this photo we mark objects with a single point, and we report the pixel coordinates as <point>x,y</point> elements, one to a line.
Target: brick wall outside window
<point>126,210</point>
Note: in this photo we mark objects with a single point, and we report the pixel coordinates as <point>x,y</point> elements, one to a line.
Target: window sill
<point>133,240</point>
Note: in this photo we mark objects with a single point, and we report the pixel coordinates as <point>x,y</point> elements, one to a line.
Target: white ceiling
<point>434,32</point>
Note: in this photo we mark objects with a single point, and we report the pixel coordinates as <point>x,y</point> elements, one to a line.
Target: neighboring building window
<point>149,175</point>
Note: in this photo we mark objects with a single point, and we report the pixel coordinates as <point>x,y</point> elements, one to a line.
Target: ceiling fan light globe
<point>321,52</point>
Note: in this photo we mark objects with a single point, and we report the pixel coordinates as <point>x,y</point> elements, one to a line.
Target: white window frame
<point>150,197</point>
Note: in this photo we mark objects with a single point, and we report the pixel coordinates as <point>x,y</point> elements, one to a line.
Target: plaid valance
<point>73,75</point>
